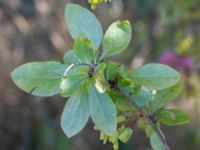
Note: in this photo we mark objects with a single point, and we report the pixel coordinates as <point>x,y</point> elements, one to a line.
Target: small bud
<point>95,3</point>
<point>104,138</point>
<point>93,6</point>
<point>121,129</point>
<point>121,118</point>
<point>111,139</point>
<point>125,135</point>
<point>116,145</point>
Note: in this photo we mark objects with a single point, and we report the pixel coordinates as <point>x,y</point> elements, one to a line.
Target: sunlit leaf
<point>84,50</point>
<point>116,38</point>
<point>99,75</point>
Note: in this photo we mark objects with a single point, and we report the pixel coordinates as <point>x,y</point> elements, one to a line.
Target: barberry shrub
<point>116,99</point>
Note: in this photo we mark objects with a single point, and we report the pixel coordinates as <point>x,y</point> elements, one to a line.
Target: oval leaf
<point>100,81</point>
<point>121,103</point>
<point>76,70</point>
<point>81,22</point>
<point>84,51</point>
<point>112,71</point>
<point>178,117</point>
<point>116,38</point>
<point>156,142</point>
<point>155,76</point>
<point>165,96</point>
<point>75,114</point>
<point>103,112</point>
<point>142,97</point>
<point>69,84</point>
<point>39,78</point>
<point>70,58</point>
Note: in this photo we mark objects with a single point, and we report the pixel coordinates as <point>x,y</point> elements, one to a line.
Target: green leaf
<point>155,76</point>
<point>100,81</point>
<point>123,71</point>
<point>81,22</point>
<point>121,103</point>
<point>70,84</point>
<point>84,51</point>
<point>165,96</point>
<point>76,70</point>
<point>142,97</point>
<point>103,112</point>
<point>178,117</point>
<point>70,58</point>
<point>39,78</point>
<point>75,114</point>
<point>112,71</point>
<point>116,38</point>
<point>127,85</point>
<point>156,142</point>
<point>148,130</point>
<point>166,114</point>
<point>73,78</point>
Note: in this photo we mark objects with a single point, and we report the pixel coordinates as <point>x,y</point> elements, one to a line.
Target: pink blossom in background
<point>182,63</point>
<point>168,59</point>
<point>185,65</point>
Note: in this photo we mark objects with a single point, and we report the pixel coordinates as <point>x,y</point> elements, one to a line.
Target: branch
<point>153,125</point>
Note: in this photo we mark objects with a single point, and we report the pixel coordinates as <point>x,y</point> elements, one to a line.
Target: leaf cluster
<point>93,84</point>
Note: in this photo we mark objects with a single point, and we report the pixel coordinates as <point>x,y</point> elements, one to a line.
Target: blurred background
<point>164,31</point>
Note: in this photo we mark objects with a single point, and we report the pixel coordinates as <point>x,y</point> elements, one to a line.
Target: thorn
<point>31,91</point>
